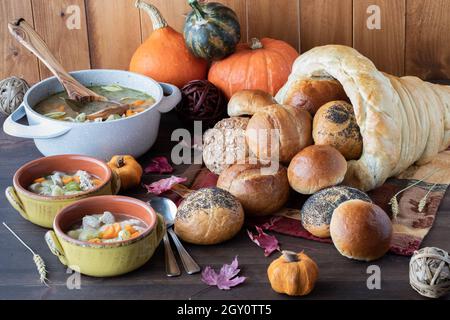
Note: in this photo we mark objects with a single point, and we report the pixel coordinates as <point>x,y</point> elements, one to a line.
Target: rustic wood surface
<point>412,39</point>
<point>340,278</point>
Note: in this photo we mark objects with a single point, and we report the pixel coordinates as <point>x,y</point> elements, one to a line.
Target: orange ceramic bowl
<point>105,259</point>
<point>41,210</point>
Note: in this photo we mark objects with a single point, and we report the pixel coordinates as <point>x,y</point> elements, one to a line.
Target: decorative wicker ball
<point>202,101</point>
<point>12,91</point>
<point>429,272</point>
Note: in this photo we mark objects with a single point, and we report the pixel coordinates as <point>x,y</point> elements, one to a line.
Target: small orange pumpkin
<point>294,274</point>
<point>164,55</point>
<point>128,170</point>
<point>263,65</point>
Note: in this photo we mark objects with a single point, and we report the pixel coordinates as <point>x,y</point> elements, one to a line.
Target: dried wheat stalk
<point>38,261</point>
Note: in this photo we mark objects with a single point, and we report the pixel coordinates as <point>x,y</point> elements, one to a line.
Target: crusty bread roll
<point>361,230</point>
<point>316,168</point>
<point>260,189</point>
<point>311,94</point>
<point>317,211</point>
<point>293,124</point>
<point>225,144</point>
<point>335,124</point>
<point>248,102</point>
<point>209,216</point>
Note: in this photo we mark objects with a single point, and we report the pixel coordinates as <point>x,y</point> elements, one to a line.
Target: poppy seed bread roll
<point>316,168</point>
<point>361,230</point>
<point>260,193</point>
<point>317,211</point>
<point>335,125</point>
<point>209,216</point>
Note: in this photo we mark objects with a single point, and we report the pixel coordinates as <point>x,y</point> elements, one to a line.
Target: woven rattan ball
<point>429,272</point>
<point>12,91</point>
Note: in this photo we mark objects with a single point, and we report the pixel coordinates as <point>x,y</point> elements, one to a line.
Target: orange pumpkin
<point>294,274</point>
<point>164,55</point>
<point>263,65</point>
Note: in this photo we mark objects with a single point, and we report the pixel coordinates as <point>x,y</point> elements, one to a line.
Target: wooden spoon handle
<point>31,40</point>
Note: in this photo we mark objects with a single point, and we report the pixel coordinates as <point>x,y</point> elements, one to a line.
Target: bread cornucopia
<point>402,120</point>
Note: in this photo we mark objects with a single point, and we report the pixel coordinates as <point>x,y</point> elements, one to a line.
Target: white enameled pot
<point>133,135</point>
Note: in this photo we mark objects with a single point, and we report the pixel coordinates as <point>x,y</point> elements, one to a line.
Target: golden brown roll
<point>361,230</point>
<point>225,144</point>
<point>293,124</point>
<point>335,124</point>
<point>260,189</point>
<point>316,168</point>
<point>311,94</point>
<point>209,216</point>
<point>317,211</point>
<point>248,102</point>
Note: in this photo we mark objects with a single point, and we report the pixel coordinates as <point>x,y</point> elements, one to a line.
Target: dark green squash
<point>212,30</point>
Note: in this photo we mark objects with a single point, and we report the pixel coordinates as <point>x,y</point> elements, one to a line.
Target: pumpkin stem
<point>290,256</point>
<point>157,19</point>
<point>197,9</point>
<point>256,44</point>
<point>120,162</point>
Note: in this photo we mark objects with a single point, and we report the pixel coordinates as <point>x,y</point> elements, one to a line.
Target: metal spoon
<point>78,94</point>
<point>172,269</point>
<point>168,210</point>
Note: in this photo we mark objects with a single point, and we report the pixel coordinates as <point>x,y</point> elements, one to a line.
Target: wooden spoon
<point>31,40</point>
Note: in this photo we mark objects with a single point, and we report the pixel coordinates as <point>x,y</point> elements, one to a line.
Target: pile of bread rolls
<point>317,134</point>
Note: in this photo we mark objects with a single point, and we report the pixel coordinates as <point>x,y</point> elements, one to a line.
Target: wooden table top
<point>340,278</point>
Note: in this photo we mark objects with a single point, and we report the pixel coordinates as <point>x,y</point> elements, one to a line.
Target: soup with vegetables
<point>58,106</point>
<point>64,184</point>
<point>106,228</point>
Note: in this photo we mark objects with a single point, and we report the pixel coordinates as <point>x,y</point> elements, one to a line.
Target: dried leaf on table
<point>159,165</point>
<point>267,242</point>
<point>226,278</point>
<point>164,185</point>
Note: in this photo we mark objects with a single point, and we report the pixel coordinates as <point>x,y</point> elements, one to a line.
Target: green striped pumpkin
<point>212,30</point>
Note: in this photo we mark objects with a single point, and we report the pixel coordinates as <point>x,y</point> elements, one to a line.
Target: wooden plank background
<point>414,38</point>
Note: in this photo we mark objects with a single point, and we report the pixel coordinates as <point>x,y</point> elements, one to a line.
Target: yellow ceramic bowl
<point>41,210</point>
<point>105,259</point>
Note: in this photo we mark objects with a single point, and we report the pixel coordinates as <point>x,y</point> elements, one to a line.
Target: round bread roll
<point>209,216</point>
<point>311,94</point>
<point>262,190</point>
<point>361,230</point>
<point>317,211</point>
<point>225,144</point>
<point>316,168</point>
<point>248,102</point>
<point>335,124</point>
<point>294,126</point>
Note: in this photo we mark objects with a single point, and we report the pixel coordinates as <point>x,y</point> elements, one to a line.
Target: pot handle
<point>55,246</point>
<point>15,202</point>
<point>39,131</point>
<point>172,96</point>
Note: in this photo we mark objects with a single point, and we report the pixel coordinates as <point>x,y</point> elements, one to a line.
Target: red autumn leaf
<point>158,165</point>
<point>267,242</point>
<point>164,185</point>
<point>226,278</point>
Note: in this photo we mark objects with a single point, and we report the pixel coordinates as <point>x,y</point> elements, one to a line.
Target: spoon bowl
<point>166,208</point>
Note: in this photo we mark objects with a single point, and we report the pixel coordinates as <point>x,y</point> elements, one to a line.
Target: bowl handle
<point>15,202</point>
<point>55,246</point>
<point>160,228</point>
<point>39,131</point>
<point>115,183</point>
<point>172,96</point>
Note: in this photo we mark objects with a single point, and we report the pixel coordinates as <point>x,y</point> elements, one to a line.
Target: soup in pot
<point>58,108</point>
<point>106,228</point>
